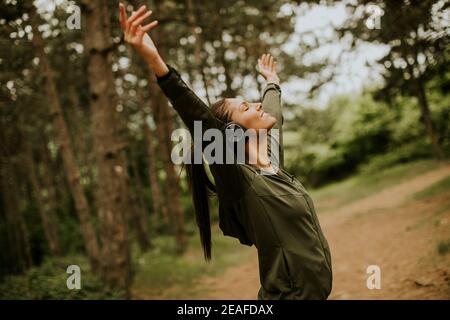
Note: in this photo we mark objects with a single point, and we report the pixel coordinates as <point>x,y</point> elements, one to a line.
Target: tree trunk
<point>418,90</point>
<point>113,196</point>
<point>139,214</point>
<point>15,221</point>
<point>192,17</point>
<point>81,133</point>
<point>163,121</point>
<point>427,120</point>
<point>49,178</point>
<point>49,223</point>
<point>172,179</point>
<point>63,138</point>
<point>17,251</point>
<point>172,193</point>
<point>159,208</point>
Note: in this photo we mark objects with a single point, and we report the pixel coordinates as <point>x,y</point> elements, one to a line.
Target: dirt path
<point>386,229</point>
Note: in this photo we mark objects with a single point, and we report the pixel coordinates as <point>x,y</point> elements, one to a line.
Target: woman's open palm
<point>267,66</point>
<point>135,33</point>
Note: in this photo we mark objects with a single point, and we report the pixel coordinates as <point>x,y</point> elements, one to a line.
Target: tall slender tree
<point>63,137</point>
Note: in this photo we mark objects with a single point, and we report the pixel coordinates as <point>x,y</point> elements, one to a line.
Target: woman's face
<point>250,114</point>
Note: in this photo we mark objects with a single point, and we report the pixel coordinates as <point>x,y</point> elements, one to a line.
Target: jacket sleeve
<point>271,101</point>
<point>187,104</point>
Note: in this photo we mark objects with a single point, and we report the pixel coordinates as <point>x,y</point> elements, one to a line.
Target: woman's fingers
<point>267,62</point>
<point>149,26</point>
<point>135,23</point>
<point>122,16</point>
<point>136,14</point>
<point>141,19</point>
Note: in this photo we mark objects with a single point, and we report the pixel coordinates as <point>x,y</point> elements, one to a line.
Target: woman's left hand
<point>136,34</point>
<point>267,66</point>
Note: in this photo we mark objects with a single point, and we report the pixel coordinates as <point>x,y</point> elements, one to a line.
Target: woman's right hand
<point>267,67</point>
<point>136,34</point>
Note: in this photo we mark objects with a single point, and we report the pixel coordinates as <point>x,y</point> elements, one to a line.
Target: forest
<point>86,177</point>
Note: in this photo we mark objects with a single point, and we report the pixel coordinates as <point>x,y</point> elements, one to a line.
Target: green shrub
<point>48,281</point>
<point>419,149</point>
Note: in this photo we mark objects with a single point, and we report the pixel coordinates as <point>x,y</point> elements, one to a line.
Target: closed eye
<point>245,106</point>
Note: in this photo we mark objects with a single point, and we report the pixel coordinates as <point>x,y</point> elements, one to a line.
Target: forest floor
<point>402,226</point>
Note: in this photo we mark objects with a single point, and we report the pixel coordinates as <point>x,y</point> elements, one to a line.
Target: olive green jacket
<point>273,212</point>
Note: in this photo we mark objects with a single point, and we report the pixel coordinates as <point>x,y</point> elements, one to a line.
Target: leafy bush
<point>404,153</point>
<point>360,134</point>
<point>48,281</point>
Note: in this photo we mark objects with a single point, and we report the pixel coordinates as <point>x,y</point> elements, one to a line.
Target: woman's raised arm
<point>271,96</point>
<point>135,33</point>
<point>188,105</point>
<point>271,101</point>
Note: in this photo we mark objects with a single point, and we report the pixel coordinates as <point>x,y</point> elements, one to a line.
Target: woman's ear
<point>234,132</point>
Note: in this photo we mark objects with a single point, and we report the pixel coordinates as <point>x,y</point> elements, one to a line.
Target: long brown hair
<point>201,187</point>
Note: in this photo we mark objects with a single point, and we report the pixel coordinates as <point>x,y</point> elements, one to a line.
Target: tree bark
<point>113,196</point>
<point>63,138</point>
<point>173,185</point>
<point>17,252</point>
<point>81,133</point>
<point>139,214</point>
<point>48,217</point>
<point>163,120</point>
<point>159,209</point>
<point>49,177</point>
<point>427,120</point>
<point>192,18</point>
<point>172,189</point>
<point>418,90</point>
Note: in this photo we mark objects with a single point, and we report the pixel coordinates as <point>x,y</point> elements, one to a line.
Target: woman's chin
<point>273,121</point>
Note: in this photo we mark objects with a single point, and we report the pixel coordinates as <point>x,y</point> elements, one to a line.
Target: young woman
<point>271,211</point>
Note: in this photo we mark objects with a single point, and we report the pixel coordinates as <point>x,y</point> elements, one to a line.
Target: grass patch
<point>48,282</point>
<point>160,268</point>
<point>435,189</point>
<point>362,185</point>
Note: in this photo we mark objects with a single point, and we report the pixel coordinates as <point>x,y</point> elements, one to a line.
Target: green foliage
<point>441,186</point>
<point>360,134</point>
<point>419,149</point>
<point>48,281</point>
<point>359,130</point>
